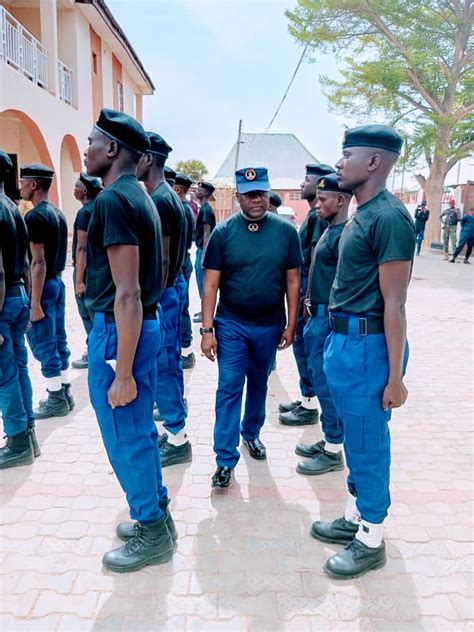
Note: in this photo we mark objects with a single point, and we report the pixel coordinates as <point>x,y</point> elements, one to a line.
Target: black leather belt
<point>317,309</point>
<point>367,326</point>
<point>147,315</point>
<point>14,289</point>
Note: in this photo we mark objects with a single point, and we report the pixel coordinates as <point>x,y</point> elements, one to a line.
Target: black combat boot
<point>355,560</point>
<point>34,442</point>
<point>17,451</point>
<point>321,463</point>
<point>339,531</point>
<point>55,405</point>
<point>188,361</point>
<point>285,407</point>
<point>299,416</point>
<point>151,544</point>
<point>68,395</point>
<point>82,363</point>
<point>175,454</point>
<point>126,530</point>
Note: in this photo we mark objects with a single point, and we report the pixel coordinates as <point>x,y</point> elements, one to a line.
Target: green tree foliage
<point>410,60</point>
<point>195,169</point>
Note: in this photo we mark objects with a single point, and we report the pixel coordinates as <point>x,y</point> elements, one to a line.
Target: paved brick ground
<point>245,559</point>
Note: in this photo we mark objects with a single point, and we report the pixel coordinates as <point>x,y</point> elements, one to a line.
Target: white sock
<point>53,383</point>
<point>311,403</point>
<point>186,352</point>
<point>333,448</point>
<point>370,534</point>
<point>352,513</point>
<point>65,379</point>
<point>178,439</point>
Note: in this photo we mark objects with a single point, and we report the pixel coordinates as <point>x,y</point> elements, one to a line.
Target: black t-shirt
<point>47,225</point>
<point>380,230</point>
<point>421,217</point>
<point>124,214</point>
<point>81,222</point>
<point>173,226</point>
<point>253,267</point>
<point>323,267</point>
<point>205,216</point>
<point>310,231</point>
<point>13,251</point>
<point>189,217</point>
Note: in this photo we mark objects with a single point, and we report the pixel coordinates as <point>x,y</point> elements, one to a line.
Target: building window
<point>295,195</point>
<point>94,63</point>
<point>119,96</point>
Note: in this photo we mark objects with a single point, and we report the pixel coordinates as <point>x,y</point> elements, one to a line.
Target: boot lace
<point>138,540</point>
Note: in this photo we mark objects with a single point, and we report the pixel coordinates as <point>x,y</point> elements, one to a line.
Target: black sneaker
<point>467,261</point>
<point>127,530</point>
<point>197,318</point>
<point>299,416</point>
<point>151,544</point>
<point>322,463</point>
<point>310,450</point>
<point>355,560</point>
<point>82,363</point>
<point>175,454</point>
<point>188,361</point>
<point>17,451</point>
<point>339,531</point>
<point>55,405</point>
<point>285,407</point>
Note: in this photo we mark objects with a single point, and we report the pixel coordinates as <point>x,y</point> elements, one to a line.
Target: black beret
<point>92,184</point>
<point>331,183</point>
<point>124,129</point>
<point>36,172</point>
<point>380,136</point>
<point>158,145</point>
<point>275,199</point>
<point>319,170</point>
<point>208,186</point>
<point>170,174</point>
<point>183,179</point>
<point>6,164</point>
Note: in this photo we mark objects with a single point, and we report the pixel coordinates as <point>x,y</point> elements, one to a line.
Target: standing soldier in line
<point>86,190</point>
<point>47,231</point>
<point>16,396</point>
<point>170,175</point>
<point>181,186</point>
<point>449,222</point>
<point>252,250</point>
<point>421,217</point>
<point>366,353</point>
<point>124,283</point>
<point>275,202</point>
<point>305,411</point>
<point>205,224</point>
<point>332,206</point>
<point>175,446</point>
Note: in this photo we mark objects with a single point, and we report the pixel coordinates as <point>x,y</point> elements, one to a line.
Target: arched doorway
<point>70,168</point>
<point>22,137</point>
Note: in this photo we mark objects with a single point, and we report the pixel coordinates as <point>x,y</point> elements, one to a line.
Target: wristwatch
<point>206,330</point>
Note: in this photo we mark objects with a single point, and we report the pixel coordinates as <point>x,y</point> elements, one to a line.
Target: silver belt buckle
<point>363,326</point>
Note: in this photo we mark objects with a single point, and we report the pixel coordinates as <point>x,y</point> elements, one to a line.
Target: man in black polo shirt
<point>86,190</point>
<point>16,402</point>
<point>175,447</point>
<point>305,411</point>
<point>205,224</point>
<point>332,205</point>
<point>253,260</point>
<point>47,230</point>
<point>124,283</point>
<point>181,186</point>
<point>366,353</point>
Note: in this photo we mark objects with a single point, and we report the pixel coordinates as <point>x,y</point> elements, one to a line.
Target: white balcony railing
<point>65,83</point>
<point>20,49</point>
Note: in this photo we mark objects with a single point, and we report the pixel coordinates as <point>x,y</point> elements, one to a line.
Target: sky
<point>217,61</point>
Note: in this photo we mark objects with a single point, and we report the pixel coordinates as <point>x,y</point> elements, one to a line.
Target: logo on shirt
<point>250,175</point>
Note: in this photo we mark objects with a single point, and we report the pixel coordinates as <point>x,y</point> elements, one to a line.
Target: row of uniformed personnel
<point>253,260</point>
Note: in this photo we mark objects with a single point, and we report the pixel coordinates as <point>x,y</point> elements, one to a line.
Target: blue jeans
<point>315,334</point>
<point>47,337</point>
<point>244,351</point>
<point>420,235</point>
<point>357,370</point>
<point>199,271</point>
<point>186,327</point>
<point>129,432</point>
<point>16,394</point>
<point>169,393</point>
<point>299,351</point>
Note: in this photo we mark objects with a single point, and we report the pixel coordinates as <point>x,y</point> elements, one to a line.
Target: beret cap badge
<point>322,183</point>
<point>250,175</point>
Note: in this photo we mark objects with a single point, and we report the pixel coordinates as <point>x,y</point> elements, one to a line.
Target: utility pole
<point>235,206</point>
